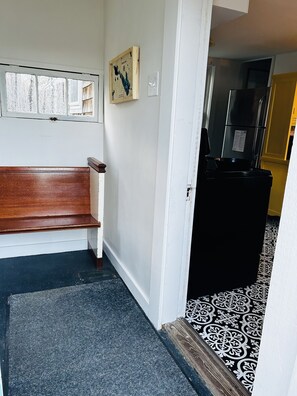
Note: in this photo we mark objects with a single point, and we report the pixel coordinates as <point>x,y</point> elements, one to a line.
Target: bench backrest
<point>44,191</point>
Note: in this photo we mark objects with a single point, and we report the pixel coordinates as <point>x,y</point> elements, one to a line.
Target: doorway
<point>230,322</point>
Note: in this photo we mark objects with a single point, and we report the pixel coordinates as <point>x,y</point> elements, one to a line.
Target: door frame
<point>181,109</point>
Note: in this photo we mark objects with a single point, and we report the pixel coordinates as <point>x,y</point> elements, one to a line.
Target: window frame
<point>97,116</point>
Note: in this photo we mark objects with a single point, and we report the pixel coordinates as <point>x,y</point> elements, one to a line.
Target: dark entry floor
<point>49,271</point>
<point>42,272</point>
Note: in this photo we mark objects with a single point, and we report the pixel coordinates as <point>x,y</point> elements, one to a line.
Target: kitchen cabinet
<point>280,128</point>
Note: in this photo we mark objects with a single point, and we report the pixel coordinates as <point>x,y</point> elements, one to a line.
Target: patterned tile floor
<point>231,322</point>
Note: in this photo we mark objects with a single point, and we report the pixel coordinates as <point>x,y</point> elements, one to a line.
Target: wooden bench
<point>54,198</point>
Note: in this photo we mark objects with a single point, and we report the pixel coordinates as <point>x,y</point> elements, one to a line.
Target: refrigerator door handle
<point>255,156</point>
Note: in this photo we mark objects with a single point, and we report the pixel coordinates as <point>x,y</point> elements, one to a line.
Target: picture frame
<point>124,76</point>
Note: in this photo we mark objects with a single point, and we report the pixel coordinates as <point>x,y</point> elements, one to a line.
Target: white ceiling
<point>269,28</point>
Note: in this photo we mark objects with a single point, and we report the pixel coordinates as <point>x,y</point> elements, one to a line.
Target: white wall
<point>152,156</point>
<point>131,141</point>
<point>65,35</point>
<point>42,142</point>
<point>285,63</point>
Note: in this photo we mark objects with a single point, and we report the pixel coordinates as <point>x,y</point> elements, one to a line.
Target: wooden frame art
<point>124,76</point>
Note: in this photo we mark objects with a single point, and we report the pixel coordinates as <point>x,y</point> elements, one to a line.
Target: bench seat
<point>30,224</point>
<point>34,199</point>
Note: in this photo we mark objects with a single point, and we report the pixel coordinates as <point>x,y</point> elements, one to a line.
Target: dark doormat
<point>90,339</point>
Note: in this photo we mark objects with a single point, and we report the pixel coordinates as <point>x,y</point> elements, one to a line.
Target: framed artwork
<point>124,76</point>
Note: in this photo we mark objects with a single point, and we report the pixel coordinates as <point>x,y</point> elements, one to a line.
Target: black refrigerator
<point>228,230</point>
<point>245,124</point>
<point>229,225</point>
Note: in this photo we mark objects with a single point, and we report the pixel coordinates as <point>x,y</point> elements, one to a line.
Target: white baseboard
<point>42,248</point>
<point>127,277</point>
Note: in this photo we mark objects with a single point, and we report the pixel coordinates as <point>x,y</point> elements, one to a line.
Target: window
<point>46,94</point>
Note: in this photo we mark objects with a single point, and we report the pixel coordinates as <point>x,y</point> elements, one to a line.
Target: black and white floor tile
<point>231,322</point>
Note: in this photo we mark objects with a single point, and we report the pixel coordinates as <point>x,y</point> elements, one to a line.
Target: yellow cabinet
<point>280,126</point>
<point>294,113</point>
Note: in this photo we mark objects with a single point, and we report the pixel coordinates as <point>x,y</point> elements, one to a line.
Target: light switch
<point>153,84</point>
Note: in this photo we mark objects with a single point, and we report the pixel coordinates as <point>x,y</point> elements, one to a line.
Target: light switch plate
<point>153,84</point>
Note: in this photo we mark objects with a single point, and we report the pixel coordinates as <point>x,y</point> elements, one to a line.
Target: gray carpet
<point>87,340</point>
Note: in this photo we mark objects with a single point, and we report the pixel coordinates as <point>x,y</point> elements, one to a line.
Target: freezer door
<point>243,143</point>
<point>247,107</point>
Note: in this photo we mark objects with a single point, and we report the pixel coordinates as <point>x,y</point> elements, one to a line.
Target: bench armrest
<point>98,166</point>
<point>95,236</point>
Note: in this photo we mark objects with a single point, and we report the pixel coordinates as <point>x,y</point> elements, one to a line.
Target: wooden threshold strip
<point>209,367</point>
